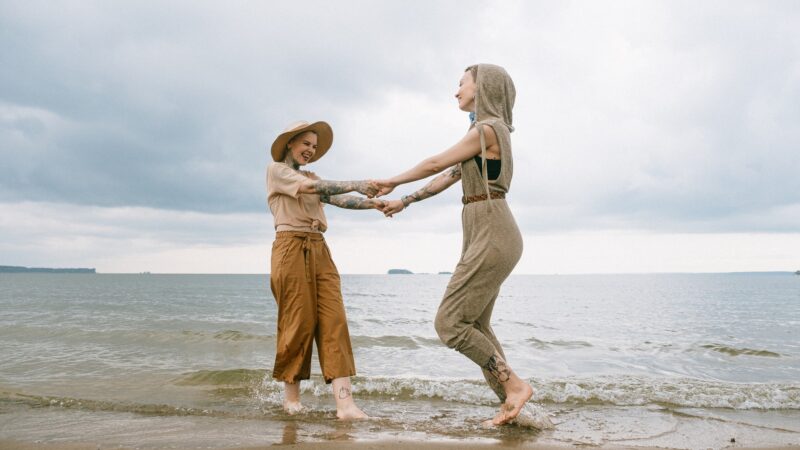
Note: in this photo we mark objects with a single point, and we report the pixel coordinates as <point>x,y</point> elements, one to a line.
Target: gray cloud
<point>669,117</point>
<point>658,115</point>
<point>174,108</point>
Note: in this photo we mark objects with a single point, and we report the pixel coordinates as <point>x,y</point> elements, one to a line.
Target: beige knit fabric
<point>492,243</point>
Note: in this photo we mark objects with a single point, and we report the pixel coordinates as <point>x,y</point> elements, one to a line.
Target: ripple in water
<point>733,351</point>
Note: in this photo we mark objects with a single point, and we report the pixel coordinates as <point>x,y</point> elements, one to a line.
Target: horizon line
<point>448,273</point>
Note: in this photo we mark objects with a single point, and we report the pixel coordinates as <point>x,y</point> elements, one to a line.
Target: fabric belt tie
<point>308,238</point>
<point>306,249</point>
<point>479,198</point>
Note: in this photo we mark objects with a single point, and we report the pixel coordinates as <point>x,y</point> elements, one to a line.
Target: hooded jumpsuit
<point>492,243</point>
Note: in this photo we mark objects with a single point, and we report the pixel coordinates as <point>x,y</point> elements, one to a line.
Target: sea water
<point>673,360</point>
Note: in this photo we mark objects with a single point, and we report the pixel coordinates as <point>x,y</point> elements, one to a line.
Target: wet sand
<point>397,445</point>
<point>361,445</point>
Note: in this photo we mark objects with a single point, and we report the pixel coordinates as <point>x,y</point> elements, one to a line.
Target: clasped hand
<point>390,207</point>
<point>377,188</point>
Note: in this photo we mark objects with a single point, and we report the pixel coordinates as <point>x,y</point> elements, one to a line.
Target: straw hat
<point>324,138</point>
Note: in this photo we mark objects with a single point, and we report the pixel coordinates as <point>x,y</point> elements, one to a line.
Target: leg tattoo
<point>344,392</point>
<point>498,368</point>
<point>494,385</point>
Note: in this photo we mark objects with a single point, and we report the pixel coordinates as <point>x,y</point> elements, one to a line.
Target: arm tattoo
<point>454,171</point>
<point>326,187</point>
<point>498,368</point>
<point>435,186</point>
<point>421,194</point>
<point>348,201</point>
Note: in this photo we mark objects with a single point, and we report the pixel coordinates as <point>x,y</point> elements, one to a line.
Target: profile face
<point>466,92</point>
<point>303,147</point>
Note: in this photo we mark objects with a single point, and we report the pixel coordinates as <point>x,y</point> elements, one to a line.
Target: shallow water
<point>685,361</point>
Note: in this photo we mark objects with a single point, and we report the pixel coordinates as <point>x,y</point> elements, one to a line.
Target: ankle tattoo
<point>344,392</point>
<point>498,368</point>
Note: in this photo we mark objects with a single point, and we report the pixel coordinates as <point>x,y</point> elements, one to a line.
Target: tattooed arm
<point>329,188</point>
<point>463,150</point>
<point>436,185</point>
<point>352,201</point>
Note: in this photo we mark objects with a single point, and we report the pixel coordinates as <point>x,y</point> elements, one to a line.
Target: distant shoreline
<point>21,269</point>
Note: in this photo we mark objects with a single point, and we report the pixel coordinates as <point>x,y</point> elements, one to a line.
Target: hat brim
<point>324,140</point>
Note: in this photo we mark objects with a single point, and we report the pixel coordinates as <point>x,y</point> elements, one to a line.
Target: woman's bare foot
<point>291,398</point>
<point>350,412</point>
<point>518,392</point>
<point>490,423</point>
<point>346,408</point>
<point>292,408</point>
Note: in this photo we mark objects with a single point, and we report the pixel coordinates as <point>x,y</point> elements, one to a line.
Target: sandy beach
<point>360,445</point>
<point>394,445</point>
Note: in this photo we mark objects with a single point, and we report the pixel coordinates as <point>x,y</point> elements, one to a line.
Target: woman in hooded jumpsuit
<point>492,243</point>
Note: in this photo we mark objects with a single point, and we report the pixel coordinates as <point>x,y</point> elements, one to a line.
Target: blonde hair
<point>473,69</point>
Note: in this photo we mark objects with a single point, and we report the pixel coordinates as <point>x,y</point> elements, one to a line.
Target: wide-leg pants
<point>307,289</point>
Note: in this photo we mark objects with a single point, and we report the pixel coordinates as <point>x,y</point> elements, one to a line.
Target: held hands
<point>385,187</point>
<point>369,188</point>
<point>392,207</point>
<point>375,188</point>
<point>378,203</point>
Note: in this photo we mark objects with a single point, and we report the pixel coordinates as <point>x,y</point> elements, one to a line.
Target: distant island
<point>445,273</point>
<point>400,272</point>
<point>20,269</point>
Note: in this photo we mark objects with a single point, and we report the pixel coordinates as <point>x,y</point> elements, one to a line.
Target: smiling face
<point>466,92</point>
<point>301,149</point>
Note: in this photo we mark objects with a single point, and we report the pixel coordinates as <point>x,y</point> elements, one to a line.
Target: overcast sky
<point>650,136</point>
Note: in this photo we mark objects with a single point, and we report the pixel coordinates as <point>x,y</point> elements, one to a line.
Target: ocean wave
<point>733,351</point>
<point>148,337</point>
<point>405,342</point>
<point>671,392</point>
<point>257,385</point>
<point>544,345</point>
<point>232,377</point>
<point>127,336</point>
<point>152,409</point>
<point>608,390</point>
<point>370,294</point>
<point>224,335</point>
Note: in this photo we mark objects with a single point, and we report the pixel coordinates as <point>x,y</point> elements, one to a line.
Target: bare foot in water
<point>490,423</point>
<point>292,408</point>
<point>351,412</point>
<point>518,392</point>
<point>346,408</point>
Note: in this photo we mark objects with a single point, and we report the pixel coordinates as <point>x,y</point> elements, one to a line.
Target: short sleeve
<point>281,179</point>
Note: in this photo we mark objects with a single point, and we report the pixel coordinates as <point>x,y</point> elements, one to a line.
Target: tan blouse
<point>293,211</point>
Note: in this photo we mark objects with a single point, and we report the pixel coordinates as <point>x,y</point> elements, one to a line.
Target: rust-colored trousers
<point>307,289</point>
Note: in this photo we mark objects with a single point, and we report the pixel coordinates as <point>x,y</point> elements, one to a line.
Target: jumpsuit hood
<point>495,95</point>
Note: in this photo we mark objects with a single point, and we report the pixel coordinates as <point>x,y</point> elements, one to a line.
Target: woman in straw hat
<point>303,278</point>
<point>492,242</point>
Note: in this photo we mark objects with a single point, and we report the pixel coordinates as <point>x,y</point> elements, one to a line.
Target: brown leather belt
<point>482,197</point>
